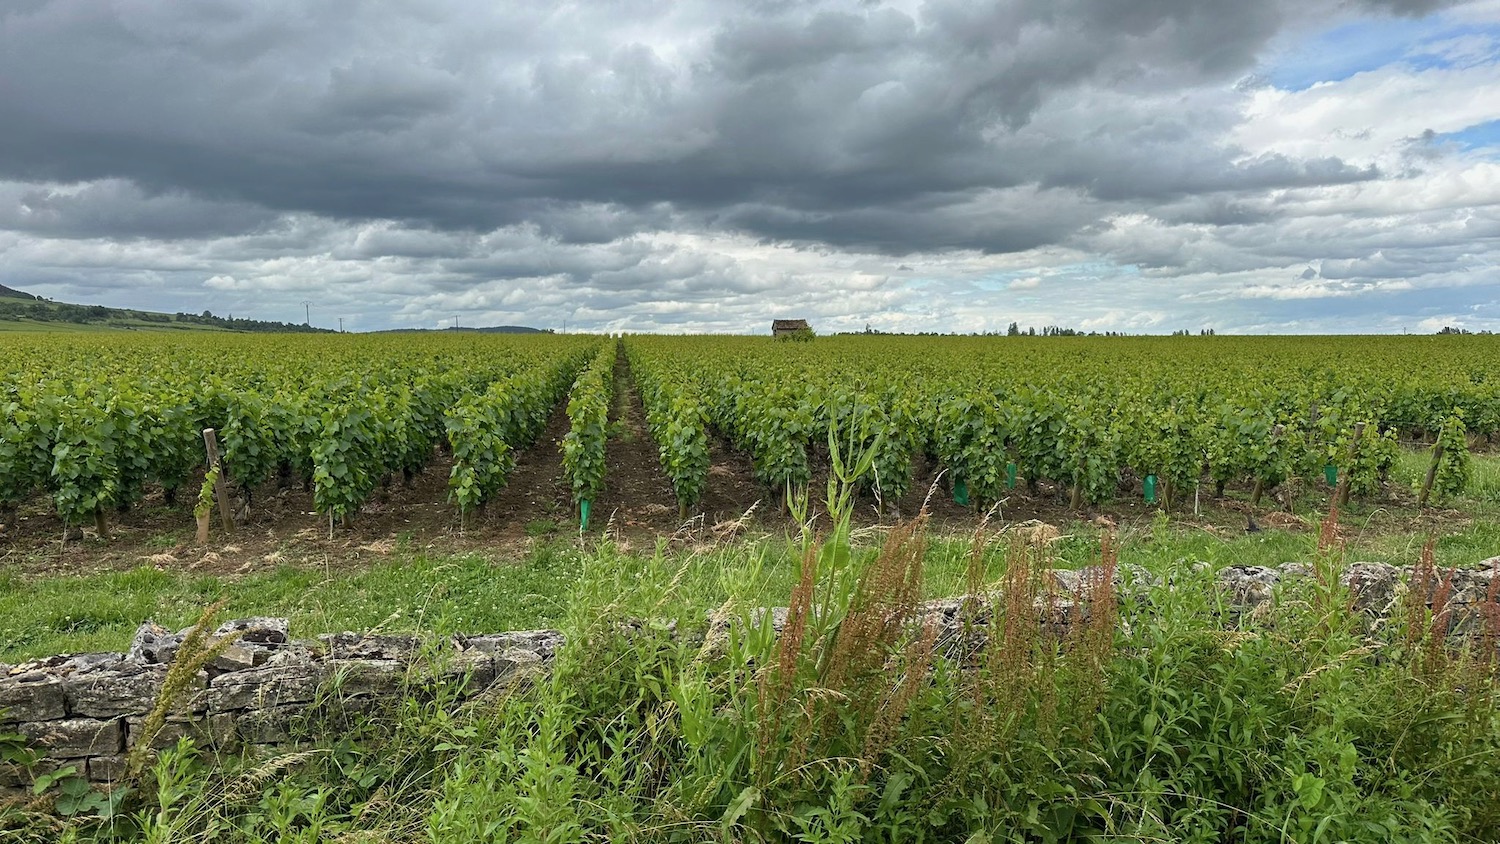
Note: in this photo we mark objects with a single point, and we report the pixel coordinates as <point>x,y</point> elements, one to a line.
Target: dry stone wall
<point>268,690</point>
<point>88,710</point>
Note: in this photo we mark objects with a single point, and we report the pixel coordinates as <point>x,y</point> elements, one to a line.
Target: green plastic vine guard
<point>1331,474</point>
<point>1150,489</point>
<point>961,492</point>
<point>1010,476</point>
<point>583,515</point>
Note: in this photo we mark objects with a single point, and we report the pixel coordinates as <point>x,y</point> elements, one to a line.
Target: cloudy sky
<point>707,165</point>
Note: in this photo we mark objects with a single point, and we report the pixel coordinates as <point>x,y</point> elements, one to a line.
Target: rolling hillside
<point>21,311</point>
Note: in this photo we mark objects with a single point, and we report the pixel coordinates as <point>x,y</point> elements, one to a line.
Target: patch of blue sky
<point>1482,136</point>
<point>1343,51</point>
<point>1000,281</point>
<point>1086,271</point>
<point>1381,310</point>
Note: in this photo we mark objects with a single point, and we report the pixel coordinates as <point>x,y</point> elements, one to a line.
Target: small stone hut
<point>783,327</point>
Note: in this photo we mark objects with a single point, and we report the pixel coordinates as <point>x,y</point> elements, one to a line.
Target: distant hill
<point>23,311</point>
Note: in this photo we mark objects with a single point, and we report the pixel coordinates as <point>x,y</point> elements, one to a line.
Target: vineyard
<point>1096,418</point>
<point>94,424</point>
<point>93,421</point>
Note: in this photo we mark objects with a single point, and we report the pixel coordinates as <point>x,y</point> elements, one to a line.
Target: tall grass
<point>1129,712</point>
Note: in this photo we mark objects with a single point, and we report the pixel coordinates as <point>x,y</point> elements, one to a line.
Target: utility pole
<point>455,320</point>
<point>307,311</point>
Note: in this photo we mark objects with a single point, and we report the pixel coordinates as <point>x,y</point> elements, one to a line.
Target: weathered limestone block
<point>256,641</point>
<point>1248,586</point>
<point>292,654</point>
<point>356,678</point>
<point>18,777</point>
<point>1077,583</point>
<point>543,643</point>
<point>107,769</point>
<point>215,731</point>
<point>75,738</point>
<point>127,689</point>
<point>64,665</point>
<point>1376,587</point>
<point>259,630</point>
<point>473,669</point>
<point>1467,586</point>
<point>153,645</point>
<point>272,725</point>
<point>236,658</point>
<point>779,616</point>
<point>517,662</point>
<point>375,647</point>
<point>947,608</point>
<point>1290,571</point>
<point>271,685</point>
<point>32,696</point>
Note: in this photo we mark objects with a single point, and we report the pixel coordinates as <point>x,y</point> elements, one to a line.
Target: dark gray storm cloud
<point>122,209</point>
<point>820,121</point>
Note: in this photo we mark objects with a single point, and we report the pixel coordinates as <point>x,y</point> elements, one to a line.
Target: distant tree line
<point>1014,330</point>
<point>44,311</point>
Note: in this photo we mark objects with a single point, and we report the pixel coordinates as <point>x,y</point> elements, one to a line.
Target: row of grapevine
<point>676,419</point>
<point>1092,417</point>
<point>588,414</point>
<point>91,422</point>
<point>485,430</point>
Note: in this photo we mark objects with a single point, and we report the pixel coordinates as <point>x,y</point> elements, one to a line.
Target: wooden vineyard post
<point>1343,489</point>
<point>1437,459</point>
<point>221,489</point>
<point>1075,498</point>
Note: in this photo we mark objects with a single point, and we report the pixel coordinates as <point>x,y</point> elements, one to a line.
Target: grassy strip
<point>468,593</point>
<point>1484,483</point>
<point>473,593</point>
